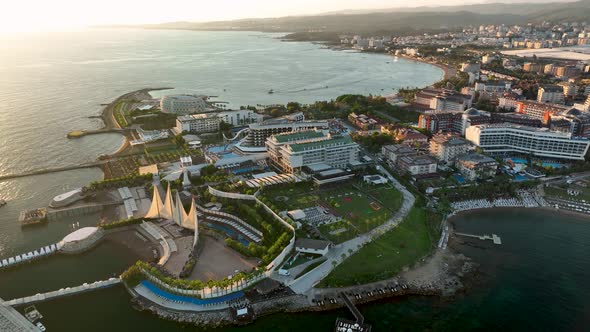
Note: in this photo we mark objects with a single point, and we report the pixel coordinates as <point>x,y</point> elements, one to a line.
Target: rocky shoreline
<point>443,274</point>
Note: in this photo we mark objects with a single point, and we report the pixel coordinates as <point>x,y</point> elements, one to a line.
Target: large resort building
<point>292,151</point>
<point>541,142</point>
<point>209,122</point>
<point>185,104</point>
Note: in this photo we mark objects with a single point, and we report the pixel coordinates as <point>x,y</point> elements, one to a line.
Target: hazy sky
<point>39,15</point>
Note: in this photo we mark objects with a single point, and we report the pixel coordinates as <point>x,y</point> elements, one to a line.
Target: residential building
<point>445,147</point>
<point>473,117</point>
<point>532,67</point>
<point>292,151</point>
<point>185,104</point>
<point>440,122</point>
<point>362,121</point>
<point>392,153</point>
<point>442,100</point>
<point>540,142</point>
<point>509,100</point>
<point>539,110</point>
<point>550,94</point>
<point>198,123</point>
<point>417,165</point>
<point>493,86</point>
<point>474,166</point>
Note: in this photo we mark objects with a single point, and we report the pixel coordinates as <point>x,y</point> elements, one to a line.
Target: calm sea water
<point>537,280</point>
<point>50,85</point>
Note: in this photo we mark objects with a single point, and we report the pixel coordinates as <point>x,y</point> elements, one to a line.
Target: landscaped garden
<point>361,207</point>
<point>386,256</point>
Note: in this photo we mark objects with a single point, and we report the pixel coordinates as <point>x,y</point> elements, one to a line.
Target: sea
<point>50,84</point>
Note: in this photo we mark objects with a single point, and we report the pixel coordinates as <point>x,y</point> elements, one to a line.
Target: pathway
<point>64,292</point>
<point>346,249</point>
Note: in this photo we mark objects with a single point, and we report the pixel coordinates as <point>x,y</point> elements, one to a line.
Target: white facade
<point>198,123</point>
<point>240,117</point>
<point>183,104</point>
<point>291,155</point>
<point>540,142</point>
<point>447,147</point>
<point>550,95</point>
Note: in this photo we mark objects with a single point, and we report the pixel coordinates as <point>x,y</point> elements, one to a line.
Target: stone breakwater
<point>443,274</point>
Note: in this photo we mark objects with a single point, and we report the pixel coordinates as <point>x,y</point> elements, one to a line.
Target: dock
<point>494,238</point>
<point>344,325</point>
<point>68,291</point>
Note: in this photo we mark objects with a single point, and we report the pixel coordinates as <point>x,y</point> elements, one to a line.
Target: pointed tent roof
<point>168,208</point>
<point>179,213</point>
<point>156,207</point>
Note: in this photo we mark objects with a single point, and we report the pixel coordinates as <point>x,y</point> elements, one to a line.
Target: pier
<point>30,256</point>
<point>64,292</point>
<point>346,325</point>
<point>52,170</point>
<point>495,238</point>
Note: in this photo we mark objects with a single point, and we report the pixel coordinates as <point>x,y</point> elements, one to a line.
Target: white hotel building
<point>209,122</point>
<point>540,142</point>
<point>292,151</point>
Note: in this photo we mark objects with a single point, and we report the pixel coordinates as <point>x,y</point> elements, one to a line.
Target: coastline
<point>443,273</point>
<point>448,71</point>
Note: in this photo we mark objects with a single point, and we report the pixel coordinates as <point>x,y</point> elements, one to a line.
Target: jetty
<point>68,291</point>
<point>345,325</point>
<point>30,256</point>
<point>52,170</point>
<point>494,238</point>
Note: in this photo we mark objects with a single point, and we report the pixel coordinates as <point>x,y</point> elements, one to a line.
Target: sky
<point>44,15</point>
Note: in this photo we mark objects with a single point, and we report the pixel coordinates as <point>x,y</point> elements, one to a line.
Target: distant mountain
<point>404,19</point>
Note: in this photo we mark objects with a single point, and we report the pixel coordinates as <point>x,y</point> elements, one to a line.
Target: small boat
<point>2,202</point>
<point>271,91</point>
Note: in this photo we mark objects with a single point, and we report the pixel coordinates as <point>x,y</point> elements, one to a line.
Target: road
<point>335,255</point>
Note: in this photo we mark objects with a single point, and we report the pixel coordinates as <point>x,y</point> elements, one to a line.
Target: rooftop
<point>343,140</point>
<point>311,244</point>
<point>298,136</point>
<point>475,158</point>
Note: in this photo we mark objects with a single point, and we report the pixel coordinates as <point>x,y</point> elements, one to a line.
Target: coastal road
<point>335,255</point>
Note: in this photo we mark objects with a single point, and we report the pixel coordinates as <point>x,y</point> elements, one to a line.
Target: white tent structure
<point>173,210</point>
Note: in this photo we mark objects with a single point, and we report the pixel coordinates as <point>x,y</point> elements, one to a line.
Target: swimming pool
<point>230,232</point>
<point>179,298</point>
<point>221,148</point>
<point>459,178</point>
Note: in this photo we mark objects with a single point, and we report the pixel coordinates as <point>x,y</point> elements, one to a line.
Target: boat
<point>2,202</point>
<point>32,314</point>
<point>271,91</point>
<point>41,327</point>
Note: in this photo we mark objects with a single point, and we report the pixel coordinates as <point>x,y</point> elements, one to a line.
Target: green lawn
<point>349,231</point>
<point>562,193</point>
<point>386,256</point>
<point>390,197</point>
<point>355,207</point>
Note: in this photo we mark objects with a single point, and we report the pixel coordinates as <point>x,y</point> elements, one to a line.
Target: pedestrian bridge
<point>63,292</point>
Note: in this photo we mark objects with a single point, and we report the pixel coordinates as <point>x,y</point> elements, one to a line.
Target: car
<point>41,327</point>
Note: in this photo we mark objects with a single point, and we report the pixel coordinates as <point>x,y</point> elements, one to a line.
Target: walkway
<point>306,282</point>
<point>35,254</point>
<point>12,321</point>
<point>64,292</point>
